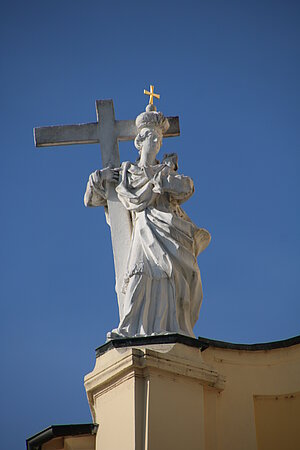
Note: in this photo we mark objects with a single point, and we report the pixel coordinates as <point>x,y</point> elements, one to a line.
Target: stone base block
<point>150,397</point>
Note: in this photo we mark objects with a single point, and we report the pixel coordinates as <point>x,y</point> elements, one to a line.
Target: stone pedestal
<point>150,396</point>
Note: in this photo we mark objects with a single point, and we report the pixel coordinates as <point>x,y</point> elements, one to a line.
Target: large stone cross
<point>108,132</point>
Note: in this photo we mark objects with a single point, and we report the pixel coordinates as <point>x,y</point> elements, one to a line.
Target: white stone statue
<point>162,290</point>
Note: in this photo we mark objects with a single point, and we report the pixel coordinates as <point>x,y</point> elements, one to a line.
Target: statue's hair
<point>152,119</point>
<point>142,135</point>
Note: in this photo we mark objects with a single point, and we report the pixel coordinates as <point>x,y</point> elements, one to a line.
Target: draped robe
<point>162,287</point>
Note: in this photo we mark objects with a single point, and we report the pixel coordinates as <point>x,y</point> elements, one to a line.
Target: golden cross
<point>151,93</point>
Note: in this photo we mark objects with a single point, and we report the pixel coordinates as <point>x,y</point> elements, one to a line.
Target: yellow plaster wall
<point>175,414</point>
<point>149,399</point>
<point>79,442</point>
<point>239,417</point>
<point>115,407</point>
<point>278,422</point>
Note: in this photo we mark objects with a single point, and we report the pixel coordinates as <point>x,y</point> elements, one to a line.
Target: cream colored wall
<point>71,443</point>
<point>54,444</point>
<point>174,397</point>
<point>79,443</point>
<point>175,413</point>
<point>278,421</point>
<point>234,418</point>
<point>116,415</point>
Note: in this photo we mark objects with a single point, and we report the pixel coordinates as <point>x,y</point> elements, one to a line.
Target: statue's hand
<point>107,174</point>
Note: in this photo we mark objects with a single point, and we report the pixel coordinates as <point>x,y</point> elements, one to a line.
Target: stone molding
<point>176,360</point>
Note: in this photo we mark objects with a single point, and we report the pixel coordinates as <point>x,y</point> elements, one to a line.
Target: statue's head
<point>151,125</point>
<point>148,140</point>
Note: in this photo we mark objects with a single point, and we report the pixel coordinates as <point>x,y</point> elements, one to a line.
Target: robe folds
<point>162,287</point>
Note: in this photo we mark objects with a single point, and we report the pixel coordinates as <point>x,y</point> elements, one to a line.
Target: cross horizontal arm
<point>88,133</point>
<point>84,133</point>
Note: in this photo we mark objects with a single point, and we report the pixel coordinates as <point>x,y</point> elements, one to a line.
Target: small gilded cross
<point>152,94</point>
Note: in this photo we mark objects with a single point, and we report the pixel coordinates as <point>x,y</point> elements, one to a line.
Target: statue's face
<point>151,143</point>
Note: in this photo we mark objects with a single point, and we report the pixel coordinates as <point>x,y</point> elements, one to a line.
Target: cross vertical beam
<point>119,218</point>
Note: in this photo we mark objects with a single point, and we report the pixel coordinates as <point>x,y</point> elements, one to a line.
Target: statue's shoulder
<point>130,167</point>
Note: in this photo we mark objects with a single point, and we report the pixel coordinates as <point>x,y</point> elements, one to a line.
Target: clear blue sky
<point>230,70</point>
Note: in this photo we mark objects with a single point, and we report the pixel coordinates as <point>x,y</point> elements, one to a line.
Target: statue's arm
<point>95,194</point>
<point>180,187</point>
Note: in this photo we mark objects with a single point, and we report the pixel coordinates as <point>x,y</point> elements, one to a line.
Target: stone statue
<point>162,290</point>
